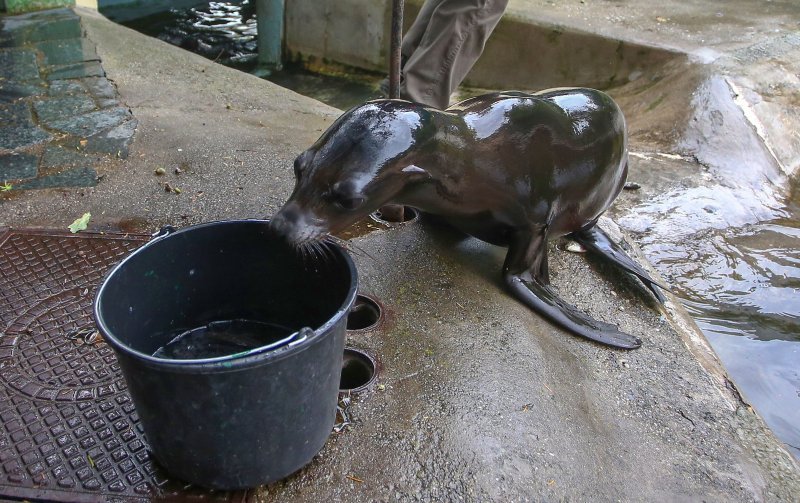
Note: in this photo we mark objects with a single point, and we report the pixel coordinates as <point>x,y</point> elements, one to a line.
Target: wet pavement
<point>59,114</point>
<point>476,397</point>
<point>712,214</point>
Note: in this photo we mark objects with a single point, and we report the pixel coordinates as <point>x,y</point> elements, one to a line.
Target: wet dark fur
<point>513,169</point>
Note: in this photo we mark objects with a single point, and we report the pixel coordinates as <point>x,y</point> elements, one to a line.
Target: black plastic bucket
<point>240,420</point>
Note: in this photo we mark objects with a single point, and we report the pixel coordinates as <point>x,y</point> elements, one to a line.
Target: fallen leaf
<point>80,224</point>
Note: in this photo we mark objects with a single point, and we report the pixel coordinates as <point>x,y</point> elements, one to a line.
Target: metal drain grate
<point>68,428</point>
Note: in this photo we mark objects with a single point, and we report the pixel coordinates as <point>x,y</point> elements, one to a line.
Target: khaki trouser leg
<point>443,43</point>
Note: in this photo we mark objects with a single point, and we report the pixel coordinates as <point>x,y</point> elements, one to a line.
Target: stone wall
<point>351,32</point>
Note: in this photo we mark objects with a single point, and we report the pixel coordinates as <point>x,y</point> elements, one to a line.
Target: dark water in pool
<point>217,31</point>
<point>746,299</point>
<point>224,338</point>
<point>740,281</point>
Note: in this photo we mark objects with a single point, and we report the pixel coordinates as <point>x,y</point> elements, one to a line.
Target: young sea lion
<point>510,168</point>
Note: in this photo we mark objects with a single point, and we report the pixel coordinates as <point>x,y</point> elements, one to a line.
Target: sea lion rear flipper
<point>526,274</point>
<point>595,239</point>
<point>544,301</point>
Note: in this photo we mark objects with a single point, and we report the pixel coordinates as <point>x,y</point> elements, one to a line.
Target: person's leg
<point>451,43</point>
<point>412,38</point>
<point>417,29</point>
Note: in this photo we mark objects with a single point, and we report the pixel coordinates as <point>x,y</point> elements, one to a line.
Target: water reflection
<point>222,31</point>
<point>768,375</point>
<point>742,286</point>
<point>215,30</point>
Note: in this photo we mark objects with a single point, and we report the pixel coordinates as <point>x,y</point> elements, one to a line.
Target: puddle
<point>134,225</point>
<point>362,228</point>
<point>738,278</point>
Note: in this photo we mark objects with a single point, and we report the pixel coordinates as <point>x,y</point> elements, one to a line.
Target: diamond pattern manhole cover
<point>68,428</point>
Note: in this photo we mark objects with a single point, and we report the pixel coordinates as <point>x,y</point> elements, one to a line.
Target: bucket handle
<point>300,336</point>
<point>165,230</point>
<point>289,341</point>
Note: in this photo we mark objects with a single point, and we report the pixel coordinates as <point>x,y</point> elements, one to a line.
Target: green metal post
<point>269,22</point>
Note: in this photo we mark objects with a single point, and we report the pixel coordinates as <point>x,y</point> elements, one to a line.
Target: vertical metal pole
<point>394,50</point>
<point>269,24</point>
<point>395,212</point>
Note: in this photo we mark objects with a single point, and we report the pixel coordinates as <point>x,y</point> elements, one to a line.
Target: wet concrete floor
<point>477,398</point>
<point>714,219</point>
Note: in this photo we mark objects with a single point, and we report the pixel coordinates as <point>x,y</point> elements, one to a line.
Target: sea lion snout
<point>297,225</point>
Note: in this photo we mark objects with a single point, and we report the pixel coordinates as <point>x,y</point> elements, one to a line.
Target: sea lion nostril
<point>279,224</point>
<point>289,215</point>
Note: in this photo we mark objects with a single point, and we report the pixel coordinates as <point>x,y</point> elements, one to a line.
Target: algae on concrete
<point>20,6</point>
<point>53,91</point>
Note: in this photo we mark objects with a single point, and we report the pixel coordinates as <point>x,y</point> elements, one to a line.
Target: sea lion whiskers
<point>349,246</point>
<point>313,252</point>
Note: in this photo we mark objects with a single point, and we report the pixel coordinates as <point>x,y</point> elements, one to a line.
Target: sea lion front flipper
<point>595,239</point>
<point>526,274</point>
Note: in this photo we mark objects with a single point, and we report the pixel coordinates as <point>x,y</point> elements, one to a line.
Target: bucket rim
<point>235,361</point>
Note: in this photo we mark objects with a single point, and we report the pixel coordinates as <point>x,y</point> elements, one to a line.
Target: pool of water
<point>217,31</point>
<point>734,261</point>
<point>742,286</point>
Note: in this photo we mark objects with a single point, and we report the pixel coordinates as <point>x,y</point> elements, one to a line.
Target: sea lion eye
<point>349,203</point>
<point>298,167</point>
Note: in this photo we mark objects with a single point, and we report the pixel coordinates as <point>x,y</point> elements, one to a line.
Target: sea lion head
<point>361,162</point>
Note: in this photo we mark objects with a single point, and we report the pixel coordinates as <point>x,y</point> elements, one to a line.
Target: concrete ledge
<point>533,55</point>
<point>521,53</point>
<point>352,32</point>
<point>540,44</point>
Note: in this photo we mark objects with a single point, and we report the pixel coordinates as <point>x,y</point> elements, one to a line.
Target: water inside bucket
<point>223,338</point>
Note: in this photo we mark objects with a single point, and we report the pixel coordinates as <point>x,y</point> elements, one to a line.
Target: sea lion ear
<point>415,171</point>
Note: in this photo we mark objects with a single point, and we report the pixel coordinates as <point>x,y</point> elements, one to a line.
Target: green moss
<point>554,35</point>
<point>654,104</point>
<point>19,6</point>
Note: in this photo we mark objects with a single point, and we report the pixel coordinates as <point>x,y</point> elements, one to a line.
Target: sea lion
<point>510,168</point>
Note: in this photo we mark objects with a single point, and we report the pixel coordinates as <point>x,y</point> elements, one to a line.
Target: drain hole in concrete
<point>365,313</point>
<point>358,371</point>
<point>409,215</point>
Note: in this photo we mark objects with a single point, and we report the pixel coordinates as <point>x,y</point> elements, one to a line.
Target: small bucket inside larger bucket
<point>261,404</point>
